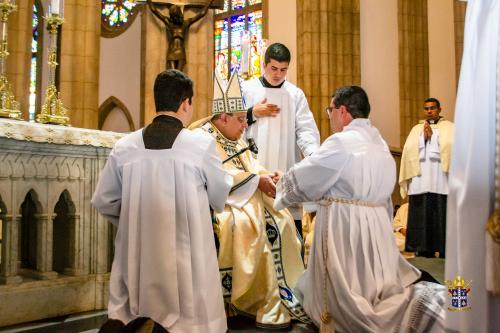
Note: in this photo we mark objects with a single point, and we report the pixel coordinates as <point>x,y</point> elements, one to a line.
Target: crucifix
<point>177,26</point>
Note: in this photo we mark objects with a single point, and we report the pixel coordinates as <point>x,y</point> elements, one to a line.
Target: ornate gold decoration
<point>9,107</point>
<point>53,110</point>
<point>493,226</point>
<point>458,282</point>
<point>325,317</point>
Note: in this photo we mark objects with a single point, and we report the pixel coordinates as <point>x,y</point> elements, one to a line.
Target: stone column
<point>76,247</point>
<point>459,18</point>
<point>44,247</point>
<point>79,69</point>
<point>328,48</point>
<point>19,60</point>
<point>413,62</point>
<point>10,229</point>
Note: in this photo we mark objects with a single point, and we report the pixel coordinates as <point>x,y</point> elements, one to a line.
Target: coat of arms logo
<point>458,289</point>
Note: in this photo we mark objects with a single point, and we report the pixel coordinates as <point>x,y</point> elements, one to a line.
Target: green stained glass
<point>237,4</point>
<point>255,28</point>
<point>35,54</point>
<point>116,13</point>
<point>226,7</point>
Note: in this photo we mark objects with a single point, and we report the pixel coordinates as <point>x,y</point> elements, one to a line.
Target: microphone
<point>252,146</point>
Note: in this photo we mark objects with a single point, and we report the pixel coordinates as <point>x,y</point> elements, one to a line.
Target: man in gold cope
<point>259,252</point>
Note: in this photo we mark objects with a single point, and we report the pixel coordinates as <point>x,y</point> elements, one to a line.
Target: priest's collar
<point>266,84</point>
<point>168,119</point>
<point>431,121</point>
<point>434,121</point>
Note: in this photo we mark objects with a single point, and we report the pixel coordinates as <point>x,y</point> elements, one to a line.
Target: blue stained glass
<point>225,35</point>
<point>237,26</point>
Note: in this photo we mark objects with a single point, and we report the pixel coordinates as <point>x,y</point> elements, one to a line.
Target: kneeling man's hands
<point>267,185</point>
<point>277,176</point>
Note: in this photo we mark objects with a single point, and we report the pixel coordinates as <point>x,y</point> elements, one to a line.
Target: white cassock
<point>165,265</point>
<point>369,285</point>
<point>282,139</point>
<point>469,248</point>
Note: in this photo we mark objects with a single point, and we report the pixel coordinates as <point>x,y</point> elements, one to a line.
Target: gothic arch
<point>63,233</point>
<point>108,105</point>
<point>3,208</point>
<point>28,230</point>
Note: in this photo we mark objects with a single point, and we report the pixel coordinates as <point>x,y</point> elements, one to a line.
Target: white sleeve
<point>239,196</point>
<point>107,197</point>
<point>306,131</point>
<point>218,181</point>
<point>313,177</point>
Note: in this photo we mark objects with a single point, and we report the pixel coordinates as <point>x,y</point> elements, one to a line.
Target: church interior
<point>76,75</point>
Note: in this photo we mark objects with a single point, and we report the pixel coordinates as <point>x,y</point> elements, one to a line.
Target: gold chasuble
<point>259,252</point>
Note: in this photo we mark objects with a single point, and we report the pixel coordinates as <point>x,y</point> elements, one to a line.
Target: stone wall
<point>413,62</point>
<point>51,175</point>
<point>328,52</point>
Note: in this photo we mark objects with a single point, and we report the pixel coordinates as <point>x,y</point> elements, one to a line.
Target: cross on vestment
<point>177,26</point>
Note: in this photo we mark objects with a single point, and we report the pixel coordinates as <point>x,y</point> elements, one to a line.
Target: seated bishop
<point>259,252</point>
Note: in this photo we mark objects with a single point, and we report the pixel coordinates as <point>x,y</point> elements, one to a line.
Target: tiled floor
<point>90,322</point>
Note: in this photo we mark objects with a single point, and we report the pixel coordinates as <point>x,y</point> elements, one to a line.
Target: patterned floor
<point>91,321</point>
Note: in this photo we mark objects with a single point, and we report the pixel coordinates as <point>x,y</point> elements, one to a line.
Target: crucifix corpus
<point>177,26</point>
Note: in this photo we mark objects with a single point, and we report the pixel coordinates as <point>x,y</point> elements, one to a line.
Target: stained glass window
<point>36,54</point>
<point>238,38</point>
<point>116,15</point>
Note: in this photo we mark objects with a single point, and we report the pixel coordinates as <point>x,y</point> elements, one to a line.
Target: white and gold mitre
<point>227,98</point>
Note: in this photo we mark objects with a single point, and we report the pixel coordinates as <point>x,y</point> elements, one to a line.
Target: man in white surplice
<point>356,280</point>
<point>279,118</point>
<point>156,187</point>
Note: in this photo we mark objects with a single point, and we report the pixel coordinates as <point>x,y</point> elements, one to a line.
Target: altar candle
<point>55,6</point>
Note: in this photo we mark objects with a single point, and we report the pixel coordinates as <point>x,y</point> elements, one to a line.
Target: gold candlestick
<point>9,107</point>
<point>53,110</point>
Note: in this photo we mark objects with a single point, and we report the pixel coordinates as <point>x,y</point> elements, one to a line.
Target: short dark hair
<point>171,88</point>
<point>433,100</point>
<point>355,99</point>
<point>278,52</point>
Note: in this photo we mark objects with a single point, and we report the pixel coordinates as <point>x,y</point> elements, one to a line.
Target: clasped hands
<point>268,181</point>
<point>427,131</point>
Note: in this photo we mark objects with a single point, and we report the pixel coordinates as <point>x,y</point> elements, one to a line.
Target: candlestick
<point>53,110</point>
<point>9,107</point>
<point>54,7</point>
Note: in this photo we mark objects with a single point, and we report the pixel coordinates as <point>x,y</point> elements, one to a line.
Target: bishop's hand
<point>264,109</point>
